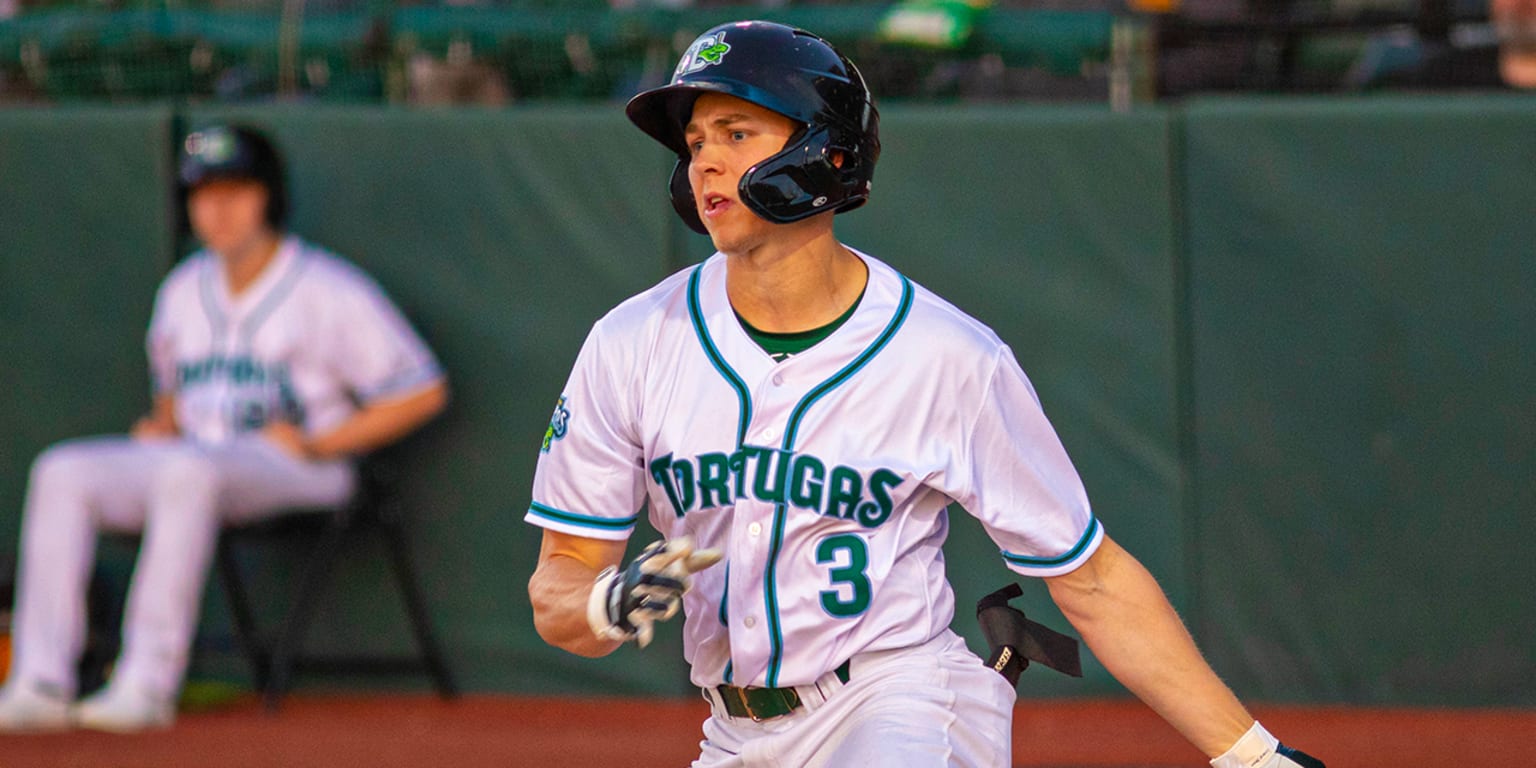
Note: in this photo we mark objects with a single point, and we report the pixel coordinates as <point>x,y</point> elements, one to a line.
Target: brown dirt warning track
<point>385,731</point>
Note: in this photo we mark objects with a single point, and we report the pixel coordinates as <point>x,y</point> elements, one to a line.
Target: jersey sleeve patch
<point>1066,562</point>
<point>581,525</point>
<point>559,422</point>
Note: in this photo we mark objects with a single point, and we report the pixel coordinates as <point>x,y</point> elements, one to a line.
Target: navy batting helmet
<point>791,72</point>
<point>235,152</point>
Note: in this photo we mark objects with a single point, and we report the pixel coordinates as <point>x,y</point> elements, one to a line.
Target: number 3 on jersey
<point>852,574</point>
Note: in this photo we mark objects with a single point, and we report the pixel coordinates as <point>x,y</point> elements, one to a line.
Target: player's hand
<point>1259,749</point>
<point>624,604</point>
<point>1295,758</point>
<point>289,438</point>
<point>151,428</point>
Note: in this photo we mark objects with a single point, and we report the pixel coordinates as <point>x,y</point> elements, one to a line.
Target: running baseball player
<point>274,362</point>
<point>797,416</point>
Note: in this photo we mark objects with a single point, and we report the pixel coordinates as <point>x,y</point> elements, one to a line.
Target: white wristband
<point>597,607</point>
<point>1255,749</point>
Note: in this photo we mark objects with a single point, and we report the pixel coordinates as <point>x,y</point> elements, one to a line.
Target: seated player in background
<point>805,413</point>
<point>274,365</point>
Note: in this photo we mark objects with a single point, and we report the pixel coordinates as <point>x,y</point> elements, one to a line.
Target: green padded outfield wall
<point>1363,295</point>
<point>1315,313</point>
<point>504,234</point>
<point>85,235</point>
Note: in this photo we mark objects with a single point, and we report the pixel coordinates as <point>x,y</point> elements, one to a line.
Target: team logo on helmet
<point>212,146</point>
<point>557,425</point>
<point>706,51</point>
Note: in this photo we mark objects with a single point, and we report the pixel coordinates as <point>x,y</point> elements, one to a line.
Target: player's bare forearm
<point>1123,615</point>
<point>561,584</point>
<point>378,424</point>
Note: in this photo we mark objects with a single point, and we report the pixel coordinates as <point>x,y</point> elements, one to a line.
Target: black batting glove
<point>1296,757</point>
<point>624,604</point>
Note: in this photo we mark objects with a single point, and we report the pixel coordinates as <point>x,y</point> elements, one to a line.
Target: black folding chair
<point>275,657</point>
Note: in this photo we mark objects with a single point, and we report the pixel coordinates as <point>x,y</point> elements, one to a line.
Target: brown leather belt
<point>765,703</point>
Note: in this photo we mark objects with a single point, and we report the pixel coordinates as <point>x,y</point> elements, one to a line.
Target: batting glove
<point>624,604</point>
<point>1258,749</point>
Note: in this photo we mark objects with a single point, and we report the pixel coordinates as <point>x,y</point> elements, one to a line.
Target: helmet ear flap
<point>682,197</point>
<point>801,181</point>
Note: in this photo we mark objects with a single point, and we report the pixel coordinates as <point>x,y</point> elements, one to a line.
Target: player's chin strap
<point>1015,640</point>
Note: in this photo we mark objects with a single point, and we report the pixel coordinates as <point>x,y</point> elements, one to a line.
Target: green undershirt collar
<point>781,346</point>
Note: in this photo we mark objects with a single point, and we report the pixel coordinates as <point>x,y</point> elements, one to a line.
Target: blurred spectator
<point>1434,54</point>
<point>456,78</point>
<point>1190,65</point>
<point>15,88</point>
<point>1515,22</point>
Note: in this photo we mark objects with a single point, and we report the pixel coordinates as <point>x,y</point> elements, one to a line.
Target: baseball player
<point>796,416</point>
<point>273,363</point>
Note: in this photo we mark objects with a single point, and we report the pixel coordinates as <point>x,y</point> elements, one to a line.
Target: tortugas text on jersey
<point>778,476</point>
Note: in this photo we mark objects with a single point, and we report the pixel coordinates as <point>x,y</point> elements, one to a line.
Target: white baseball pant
<point>177,493</point>
<point>934,705</point>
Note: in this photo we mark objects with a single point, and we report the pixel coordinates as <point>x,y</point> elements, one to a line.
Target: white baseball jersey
<point>309,340</point>
<point>823,478</point>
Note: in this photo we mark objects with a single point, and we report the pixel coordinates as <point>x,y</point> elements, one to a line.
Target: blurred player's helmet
<point>234,152</point>
<point>795,74</point>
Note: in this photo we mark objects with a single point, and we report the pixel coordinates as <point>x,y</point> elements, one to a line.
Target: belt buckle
<point>746,706</point>
<point>734,695</point>
<point>789,701</point>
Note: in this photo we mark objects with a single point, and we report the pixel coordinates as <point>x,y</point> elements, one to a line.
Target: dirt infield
<point>383,731</point>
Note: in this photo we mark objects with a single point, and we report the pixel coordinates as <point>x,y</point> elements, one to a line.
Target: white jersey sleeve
<point>1015,477</point>
<point>589,480</point>
<point>372,348</point>
<point>160,343</point>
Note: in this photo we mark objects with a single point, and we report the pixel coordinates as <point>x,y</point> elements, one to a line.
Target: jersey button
<point>768,435</point>
<point>750,621</point>
<point>756,529</point>
<point>778,379</point>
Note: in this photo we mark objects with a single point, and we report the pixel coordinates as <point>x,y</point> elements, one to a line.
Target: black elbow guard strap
<point>1014,641</point>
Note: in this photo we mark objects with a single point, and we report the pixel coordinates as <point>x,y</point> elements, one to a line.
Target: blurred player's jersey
<point>308,342</point>
<point>825,478</point>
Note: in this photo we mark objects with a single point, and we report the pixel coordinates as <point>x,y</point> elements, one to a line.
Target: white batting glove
<point>624,604</point>
<point>1258,749</point>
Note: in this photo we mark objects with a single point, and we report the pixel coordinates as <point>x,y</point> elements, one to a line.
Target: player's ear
<point>837,158</point>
